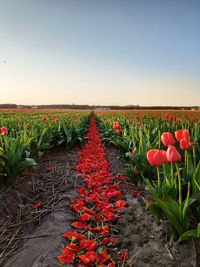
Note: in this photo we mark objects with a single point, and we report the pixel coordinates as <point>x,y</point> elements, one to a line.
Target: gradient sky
<point>144,52</point>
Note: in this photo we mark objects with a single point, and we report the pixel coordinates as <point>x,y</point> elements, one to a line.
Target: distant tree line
<point>74,106</point>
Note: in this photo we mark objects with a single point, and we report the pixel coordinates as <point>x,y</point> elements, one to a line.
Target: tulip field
<point>160,155</point>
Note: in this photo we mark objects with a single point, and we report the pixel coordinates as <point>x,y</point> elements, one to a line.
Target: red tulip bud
<point>3,131</point>
<point>156,157</point>
<point>173,155</point>
<point>116,126</point>
<point>186,144</point>
<point>167,139</point>
<point>182,134</point>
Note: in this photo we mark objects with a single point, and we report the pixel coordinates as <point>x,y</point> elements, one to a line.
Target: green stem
<point>194,156</point>
<point>172,175</point>
<point>164,170</point>
<point>158,175</point>
<point>186,164</point>
<point>179,185</point>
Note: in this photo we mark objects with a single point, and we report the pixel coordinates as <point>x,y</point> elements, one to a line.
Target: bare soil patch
<point>34,235</point>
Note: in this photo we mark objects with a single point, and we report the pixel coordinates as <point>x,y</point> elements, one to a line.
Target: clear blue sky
<point>143,52</point>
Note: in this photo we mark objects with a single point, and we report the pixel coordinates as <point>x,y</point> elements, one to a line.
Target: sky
<point>106,52</point>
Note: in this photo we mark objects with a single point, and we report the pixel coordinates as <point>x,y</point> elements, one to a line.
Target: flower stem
<point>179,185</point>
<point>194,156</point>
<point>158,175</point>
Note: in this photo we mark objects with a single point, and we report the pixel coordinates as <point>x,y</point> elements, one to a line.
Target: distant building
<point>20,106</point>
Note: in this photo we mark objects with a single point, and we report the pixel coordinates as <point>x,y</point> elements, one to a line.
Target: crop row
<point>25,136</point>
<point>163,152</point>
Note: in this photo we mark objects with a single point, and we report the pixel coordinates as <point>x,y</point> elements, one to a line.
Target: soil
<point>31,237</point>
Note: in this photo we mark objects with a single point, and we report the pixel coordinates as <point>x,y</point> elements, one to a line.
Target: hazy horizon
<point>100,52</point>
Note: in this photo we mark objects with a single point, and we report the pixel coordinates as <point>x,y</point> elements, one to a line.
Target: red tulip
<point>173,155</point>
<point>139,124</point>
<point>116,126</point>
<point>3,131</point>
<point>182,134</point>
<point>186,144</point>
<point>156,157</point>
<point>167,139</point>
<point>170,118</point>
<point>45,118</point>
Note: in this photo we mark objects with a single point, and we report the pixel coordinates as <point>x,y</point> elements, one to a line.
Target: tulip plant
<point>24,137</point>
<point>163,151</point>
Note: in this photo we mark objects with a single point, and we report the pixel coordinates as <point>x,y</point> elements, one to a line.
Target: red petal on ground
<point>67,258</point>
<point>78,225</point>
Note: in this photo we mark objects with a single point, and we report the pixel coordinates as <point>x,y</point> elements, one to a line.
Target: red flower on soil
<point>38,204</point>
<point>120,204</point>
<point>109,241</point>
<point>88,244</point>
<point>73,236</point>
<point>71,247</point>
<point>105,230</point>
<point>86,217</point>
<point>123,256</point>
<point>83,192</point>
<point>67,258</point>
<point>89,257</point>
<point>104,256</point>
<point>78,204</point>
<point>78,225</point>
<point>98,202</point>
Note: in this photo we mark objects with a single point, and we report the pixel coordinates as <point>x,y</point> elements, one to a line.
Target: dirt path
<point>33,235</point>
<point>39,231</point>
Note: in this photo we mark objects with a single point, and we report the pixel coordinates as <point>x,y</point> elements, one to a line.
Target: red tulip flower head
<point>173,155</point>
<point>170,118</point>
<point>182,134</point>
<point>116,126</point>
<point>3,131</point>
<point>167,139</point>
<point>156,157</point>
<point>186,144</point>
